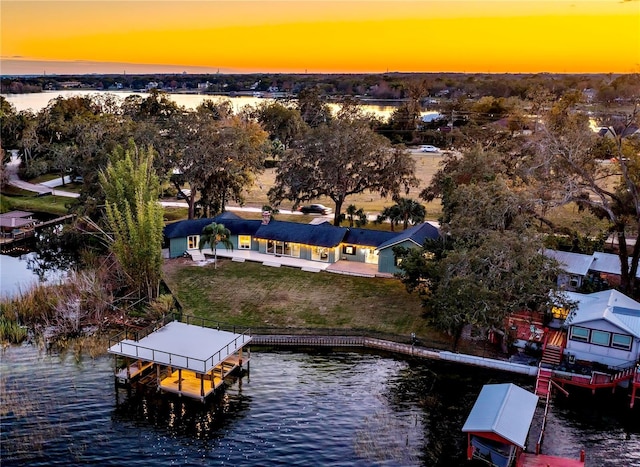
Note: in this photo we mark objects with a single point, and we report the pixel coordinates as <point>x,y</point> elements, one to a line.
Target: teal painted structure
<point>323,243</point>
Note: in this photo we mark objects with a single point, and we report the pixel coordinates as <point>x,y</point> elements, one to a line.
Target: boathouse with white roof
<point>182,358</point>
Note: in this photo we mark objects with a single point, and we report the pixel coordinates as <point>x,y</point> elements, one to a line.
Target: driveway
<point>42,189</point>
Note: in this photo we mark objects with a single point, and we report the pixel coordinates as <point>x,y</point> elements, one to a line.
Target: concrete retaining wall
<point>395,347</point>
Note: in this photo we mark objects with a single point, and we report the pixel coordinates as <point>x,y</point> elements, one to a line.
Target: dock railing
<point>167,358</point>
<point>182,361</point>
<point>136,334</point>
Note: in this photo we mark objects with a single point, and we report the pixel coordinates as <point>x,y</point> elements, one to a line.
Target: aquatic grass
<point>11,331</point>
<point>58,311</point>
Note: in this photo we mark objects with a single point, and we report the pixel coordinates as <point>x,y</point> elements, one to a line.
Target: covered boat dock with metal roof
<point>188,359</point>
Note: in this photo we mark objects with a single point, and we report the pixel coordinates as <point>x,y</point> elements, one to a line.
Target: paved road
<point>42,189</point>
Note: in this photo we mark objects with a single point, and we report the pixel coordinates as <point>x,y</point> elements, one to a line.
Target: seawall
<point>393,347</point>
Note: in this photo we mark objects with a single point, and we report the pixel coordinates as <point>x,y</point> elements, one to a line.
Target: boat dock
<point>182,358</point>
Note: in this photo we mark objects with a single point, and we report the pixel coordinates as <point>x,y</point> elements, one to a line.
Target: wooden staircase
<point>553,347</point>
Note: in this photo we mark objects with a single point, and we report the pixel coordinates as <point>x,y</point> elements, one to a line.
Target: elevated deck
<point>181,358</point>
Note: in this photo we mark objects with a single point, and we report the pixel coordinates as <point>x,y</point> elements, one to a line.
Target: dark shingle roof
<point>236,224</point>
<point>368,237</point>
<point>416,234</point>
<point>325,235</point>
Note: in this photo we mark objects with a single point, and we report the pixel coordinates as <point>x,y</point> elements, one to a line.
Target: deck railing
<point>182,361</point>
<point>146,353</point>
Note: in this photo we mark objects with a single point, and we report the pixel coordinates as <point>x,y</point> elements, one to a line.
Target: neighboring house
<point>575,267</point>
<point>605,329</point>
<point>605,267</point>
<point>322,242</point>
<point>599,268</point>
<point>16,223</point>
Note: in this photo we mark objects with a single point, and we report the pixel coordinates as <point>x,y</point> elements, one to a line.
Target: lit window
<point>192,242</point>
<point>348,250</point>
<point>619,341</point>
<point>244,242</point>
<point>600,337</point>
<point>579,334</point>
<point>560,313</point>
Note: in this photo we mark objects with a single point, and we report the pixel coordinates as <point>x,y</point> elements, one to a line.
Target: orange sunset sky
<point>318,36</point>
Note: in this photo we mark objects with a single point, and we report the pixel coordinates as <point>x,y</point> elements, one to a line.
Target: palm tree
<point>214,234</point>
<point>390,212</point>
<point>404,211</point>
<point>410,211</point>
<point>353,214</point>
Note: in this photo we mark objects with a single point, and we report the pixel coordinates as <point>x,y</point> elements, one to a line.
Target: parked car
<point>315,209</point>
<point>429,148</point>
<point>183,194</point>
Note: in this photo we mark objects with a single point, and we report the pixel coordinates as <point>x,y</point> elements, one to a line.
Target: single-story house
<point>575,266</point>
<point>605,328</point>
<point>315,242</point>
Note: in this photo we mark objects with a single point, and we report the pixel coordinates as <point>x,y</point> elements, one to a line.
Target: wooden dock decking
<point>542,460</point>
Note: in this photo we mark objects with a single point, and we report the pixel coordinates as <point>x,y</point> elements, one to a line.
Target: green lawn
<point>20,200</point>
<point>252,295</point>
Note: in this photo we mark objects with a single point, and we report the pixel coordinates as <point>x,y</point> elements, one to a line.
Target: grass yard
<point>14,199</point>
<point>249,294</point>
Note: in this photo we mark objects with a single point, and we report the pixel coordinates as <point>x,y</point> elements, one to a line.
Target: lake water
<point>16,277</point>
<point>38,101</point>
<point>324,409</point>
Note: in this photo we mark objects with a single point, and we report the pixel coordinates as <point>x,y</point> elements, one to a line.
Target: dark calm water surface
<point>305,409</point>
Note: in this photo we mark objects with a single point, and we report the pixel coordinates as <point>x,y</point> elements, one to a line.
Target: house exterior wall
<point>177,247</point>
<point>387,260</point>
<point>570,282</point>
<point>597,353</point>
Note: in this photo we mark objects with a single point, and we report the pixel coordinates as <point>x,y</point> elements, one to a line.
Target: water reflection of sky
<point>37,101</point>
<point>15,276</point>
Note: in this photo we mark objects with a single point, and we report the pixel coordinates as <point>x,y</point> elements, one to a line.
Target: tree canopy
<point>489,262</point>
<point>341,158</point>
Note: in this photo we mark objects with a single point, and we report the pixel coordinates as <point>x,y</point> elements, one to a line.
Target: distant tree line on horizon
<point>605,87</point>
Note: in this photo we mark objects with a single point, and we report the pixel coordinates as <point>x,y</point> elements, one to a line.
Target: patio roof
<point>16,214</point>
<point>368,237</point>
<point>323,235</point>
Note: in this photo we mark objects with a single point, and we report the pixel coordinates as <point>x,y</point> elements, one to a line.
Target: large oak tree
<point>341,158</point>
<point>572,165</point>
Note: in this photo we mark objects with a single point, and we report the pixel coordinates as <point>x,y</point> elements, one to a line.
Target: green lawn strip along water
<point>249,294</point>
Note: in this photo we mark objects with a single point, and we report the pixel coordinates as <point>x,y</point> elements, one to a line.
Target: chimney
<point>266,217</point>
<point>13,222</point>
